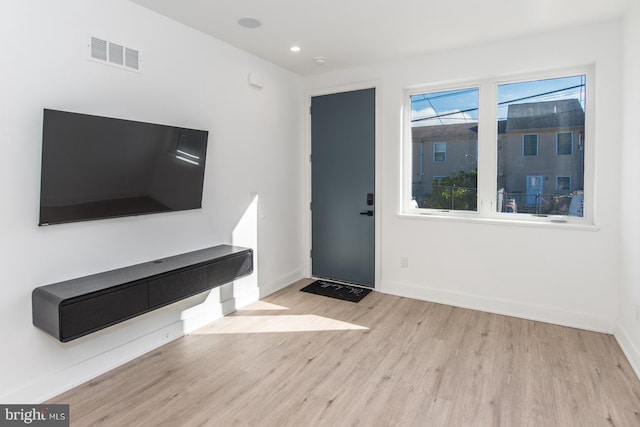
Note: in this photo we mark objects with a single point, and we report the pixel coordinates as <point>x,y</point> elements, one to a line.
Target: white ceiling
<point>351,33</point>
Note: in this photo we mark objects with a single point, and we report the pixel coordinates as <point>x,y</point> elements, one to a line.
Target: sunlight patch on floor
<point>263,306</point>
<point>283,323</point>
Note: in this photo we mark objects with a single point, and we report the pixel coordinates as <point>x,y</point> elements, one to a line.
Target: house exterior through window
<point>538,156</point>
<point>547,129</point>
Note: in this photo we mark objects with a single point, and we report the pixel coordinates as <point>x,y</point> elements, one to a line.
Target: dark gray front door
<point>342,186</point>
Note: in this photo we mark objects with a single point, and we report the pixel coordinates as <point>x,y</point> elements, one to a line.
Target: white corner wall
<point>567,277</point>
<point>186,79</point>
<point>628,324</point>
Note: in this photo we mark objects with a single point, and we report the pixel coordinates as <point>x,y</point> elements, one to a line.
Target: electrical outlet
<point>404,262</point>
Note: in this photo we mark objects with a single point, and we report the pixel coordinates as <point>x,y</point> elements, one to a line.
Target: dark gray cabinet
<point>176,286</point>
<point>77,307</point>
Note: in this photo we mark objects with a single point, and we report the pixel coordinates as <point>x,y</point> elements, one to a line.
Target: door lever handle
<point>367,213</point>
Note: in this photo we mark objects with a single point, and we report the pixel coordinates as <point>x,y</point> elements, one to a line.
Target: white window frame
<point>487,154</point>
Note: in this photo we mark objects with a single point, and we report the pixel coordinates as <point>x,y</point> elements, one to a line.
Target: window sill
<point>527,221</point>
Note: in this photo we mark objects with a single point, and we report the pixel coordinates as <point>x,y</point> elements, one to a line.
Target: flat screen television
<point>100,167</point>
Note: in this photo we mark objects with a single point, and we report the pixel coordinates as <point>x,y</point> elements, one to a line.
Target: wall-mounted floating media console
<point>77,307</point>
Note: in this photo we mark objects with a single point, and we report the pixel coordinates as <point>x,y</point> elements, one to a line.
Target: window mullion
<point>487,149</point>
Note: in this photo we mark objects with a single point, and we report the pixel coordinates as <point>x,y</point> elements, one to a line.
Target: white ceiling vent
<point>106,52</point>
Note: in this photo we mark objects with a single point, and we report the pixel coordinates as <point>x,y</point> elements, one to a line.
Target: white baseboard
<point>500,306</point>
<point>628,348</point>
<point>48,386</point>
<point>201,315</point>
<point>280,283</point>
<point>245,298</point>
<point>51,385</point>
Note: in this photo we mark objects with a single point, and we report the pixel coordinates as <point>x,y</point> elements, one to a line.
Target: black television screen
<point>99,167</point>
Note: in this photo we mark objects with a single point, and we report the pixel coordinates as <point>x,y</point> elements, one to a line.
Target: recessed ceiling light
<point>249,23</point>
<point>294,48</point>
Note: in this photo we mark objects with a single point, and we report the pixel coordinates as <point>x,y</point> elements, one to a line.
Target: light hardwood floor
<point>297,359</point>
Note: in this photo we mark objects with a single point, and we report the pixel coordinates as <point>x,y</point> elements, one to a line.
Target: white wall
<point>571,275</point>
<point>628,326</point>
<point>187,79</point>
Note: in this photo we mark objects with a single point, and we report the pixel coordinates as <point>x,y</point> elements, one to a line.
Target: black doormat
<point>336,290</point>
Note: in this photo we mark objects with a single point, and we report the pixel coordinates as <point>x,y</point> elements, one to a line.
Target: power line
<point>540,94</point>
<point>434,109</point>
<point>443,94</point>
<point>437,116</point>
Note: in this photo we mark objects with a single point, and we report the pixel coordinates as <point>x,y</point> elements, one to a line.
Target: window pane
<point>564,144</point>
<point>444,133</point>
<point>539,170</point>
<point>439,151</point>
<point>530,145</point>
<point>563,183</point>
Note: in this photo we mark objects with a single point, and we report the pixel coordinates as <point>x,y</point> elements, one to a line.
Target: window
<point>447,120</point>
<point>501,149</point>
<point>439,151</point>
<point>540,111</point>
<point>529,145</point>
<point>564,143</point>
<point>563,183</point>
